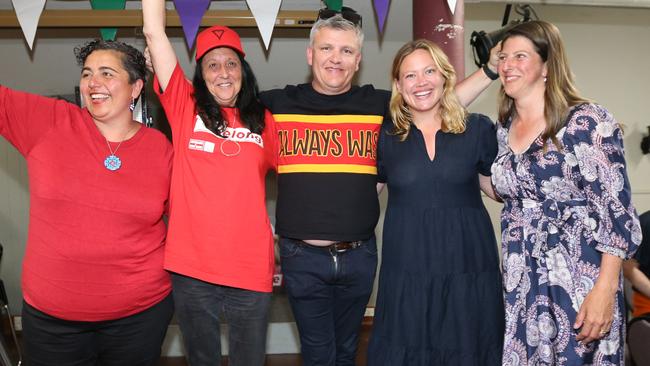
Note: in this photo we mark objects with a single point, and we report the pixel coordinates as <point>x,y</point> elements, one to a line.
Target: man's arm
<point>638,279</point>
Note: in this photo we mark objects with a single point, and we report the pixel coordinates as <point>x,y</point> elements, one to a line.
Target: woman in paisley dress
<point>567,221</point>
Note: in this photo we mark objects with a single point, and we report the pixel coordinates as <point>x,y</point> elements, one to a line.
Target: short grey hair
<point>336,22</point>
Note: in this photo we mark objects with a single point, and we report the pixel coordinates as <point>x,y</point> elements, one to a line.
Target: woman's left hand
<point>596,313</point>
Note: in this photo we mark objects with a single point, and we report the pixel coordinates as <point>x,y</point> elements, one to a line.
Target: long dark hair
<point>251,110</point>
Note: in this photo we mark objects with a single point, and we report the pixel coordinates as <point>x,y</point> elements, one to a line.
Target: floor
<point>284,360</point>
<point>271,360</point>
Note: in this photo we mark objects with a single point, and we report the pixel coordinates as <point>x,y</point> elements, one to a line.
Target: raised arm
<point>472,86</point>
<point>162,54</point>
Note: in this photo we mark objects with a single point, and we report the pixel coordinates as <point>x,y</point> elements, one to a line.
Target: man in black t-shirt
<point>327,206</point>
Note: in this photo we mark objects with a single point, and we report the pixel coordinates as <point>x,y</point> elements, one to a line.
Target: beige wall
<point>608,49</point>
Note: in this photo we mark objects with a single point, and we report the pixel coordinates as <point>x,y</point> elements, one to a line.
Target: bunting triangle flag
<point>452,5</point>
<point>381,10</point>
<point>265,13</point>
<point>190,13</point>
<point>335,5</point>
<point>108,33</point>
<point>28,13</point>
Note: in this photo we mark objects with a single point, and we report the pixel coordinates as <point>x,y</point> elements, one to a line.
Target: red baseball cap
<point>217,36</point>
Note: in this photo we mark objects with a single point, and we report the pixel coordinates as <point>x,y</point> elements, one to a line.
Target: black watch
<point>489,73</point>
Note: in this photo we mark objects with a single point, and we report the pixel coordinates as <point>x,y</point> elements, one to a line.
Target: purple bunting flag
<point>381,10</point>
<point>190,13</point>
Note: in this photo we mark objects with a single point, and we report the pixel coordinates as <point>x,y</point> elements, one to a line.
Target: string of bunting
<point>190,12</point>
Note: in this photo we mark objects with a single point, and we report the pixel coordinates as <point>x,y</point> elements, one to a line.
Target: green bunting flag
<point>335,5</point>
<point>108,34</point>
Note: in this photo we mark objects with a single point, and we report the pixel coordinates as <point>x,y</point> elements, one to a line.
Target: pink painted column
<point>433,20</point>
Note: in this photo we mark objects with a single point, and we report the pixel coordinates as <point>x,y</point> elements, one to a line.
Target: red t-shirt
<point>641,304</point>
<point>219,229</point>
<point>96,237</point>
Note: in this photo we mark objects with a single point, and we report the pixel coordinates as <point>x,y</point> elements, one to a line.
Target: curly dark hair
<point>250,108</point>
<point>132,59</point>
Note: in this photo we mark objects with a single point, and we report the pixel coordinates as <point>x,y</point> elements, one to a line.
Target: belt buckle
<point>344,246</point>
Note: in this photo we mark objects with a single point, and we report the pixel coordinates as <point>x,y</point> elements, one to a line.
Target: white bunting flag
<point>265,13</point>
<point>452,5</point>
<point>28,13</point>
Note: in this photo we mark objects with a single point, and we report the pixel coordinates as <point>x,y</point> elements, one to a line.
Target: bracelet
<point>489,73</point>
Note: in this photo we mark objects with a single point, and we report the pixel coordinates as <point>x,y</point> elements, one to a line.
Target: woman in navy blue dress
<point>440,298</point>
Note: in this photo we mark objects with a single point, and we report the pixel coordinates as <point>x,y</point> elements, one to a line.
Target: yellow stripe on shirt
<point>327,168</point>
<point>331,119</point>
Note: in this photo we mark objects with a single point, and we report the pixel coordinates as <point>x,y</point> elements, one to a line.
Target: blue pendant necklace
<point>113,162</point>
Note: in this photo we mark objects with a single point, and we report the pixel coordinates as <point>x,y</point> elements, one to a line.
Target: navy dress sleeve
<point>487,146</point>
<point>383,135</point>
<point>595,141</point>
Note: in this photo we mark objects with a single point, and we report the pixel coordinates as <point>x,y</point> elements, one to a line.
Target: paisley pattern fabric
<point>563,208</point>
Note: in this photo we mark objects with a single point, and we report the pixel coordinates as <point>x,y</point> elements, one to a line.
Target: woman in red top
<point>94,288</point>
<point>220,247</point>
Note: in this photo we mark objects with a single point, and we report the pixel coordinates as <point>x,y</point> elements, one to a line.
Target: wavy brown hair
<point>451,111</point>
<point>561,93</point>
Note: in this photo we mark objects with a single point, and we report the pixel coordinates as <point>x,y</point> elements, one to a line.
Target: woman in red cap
<point>220,244</point>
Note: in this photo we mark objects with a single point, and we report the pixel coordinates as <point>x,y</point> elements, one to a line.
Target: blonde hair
<point>560,93</point>
<point>452,112</point>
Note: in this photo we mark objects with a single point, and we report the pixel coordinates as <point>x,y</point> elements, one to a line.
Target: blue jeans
<point>202,306</point>
<point>328,293</point>
<point>134,340</point>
